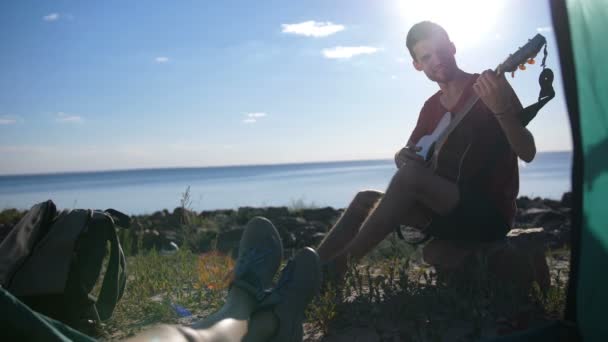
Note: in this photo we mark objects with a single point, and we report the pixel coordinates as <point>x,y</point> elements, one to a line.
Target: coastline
<point>299,224</point>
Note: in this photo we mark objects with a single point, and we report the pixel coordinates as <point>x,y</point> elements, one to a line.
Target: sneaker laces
<point>248,261</point>
<point>286,276</point>
<point>273,296</point>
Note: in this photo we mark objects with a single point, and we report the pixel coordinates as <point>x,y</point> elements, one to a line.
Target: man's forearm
<point>520,138</point>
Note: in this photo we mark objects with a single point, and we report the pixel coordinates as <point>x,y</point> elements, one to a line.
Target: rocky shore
<point>301,227</point>
<point>546,222</point>
<point>298,227</point>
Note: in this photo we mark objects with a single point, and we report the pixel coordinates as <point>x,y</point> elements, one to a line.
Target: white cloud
<point>253,117</point>
<point>312,28</point>
<point>345,52</point>
<point>63,117</point>
<point>393,77</point>
<point>161,59</point>
<point>51,17</point>
<point>7,120</point>
<point>544,29</point>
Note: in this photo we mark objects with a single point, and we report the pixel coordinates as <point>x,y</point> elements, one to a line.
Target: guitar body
<point>447,159</point>
<point>427,142</point>
<point>452,159</point>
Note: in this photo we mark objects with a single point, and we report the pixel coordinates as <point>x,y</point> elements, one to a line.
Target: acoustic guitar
<point>448,160</point>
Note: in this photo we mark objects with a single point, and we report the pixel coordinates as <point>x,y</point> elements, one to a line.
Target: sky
<point>102,85</point>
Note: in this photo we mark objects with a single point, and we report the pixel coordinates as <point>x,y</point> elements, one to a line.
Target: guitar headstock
<point>524,54</point>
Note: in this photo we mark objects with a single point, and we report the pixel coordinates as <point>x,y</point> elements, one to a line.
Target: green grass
<point>156,281</point>
<point>392,293</point>
<point>11,216</point>
<point>390,290</point>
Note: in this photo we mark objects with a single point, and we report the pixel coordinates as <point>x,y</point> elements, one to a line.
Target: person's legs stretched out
<point>253,311</point>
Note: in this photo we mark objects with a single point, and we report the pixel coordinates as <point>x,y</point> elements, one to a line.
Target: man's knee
<point>367,198</point>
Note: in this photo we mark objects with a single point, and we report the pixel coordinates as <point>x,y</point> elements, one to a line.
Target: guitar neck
<point>529,50</point>
<point>458,117</point>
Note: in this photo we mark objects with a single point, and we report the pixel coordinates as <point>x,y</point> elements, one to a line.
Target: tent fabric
<point>586,20</point>
<point>20,323</point>
<point>561,26</point>
<point>580,29</point>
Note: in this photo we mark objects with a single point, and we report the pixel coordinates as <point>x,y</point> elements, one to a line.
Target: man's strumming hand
<point>407,154</point>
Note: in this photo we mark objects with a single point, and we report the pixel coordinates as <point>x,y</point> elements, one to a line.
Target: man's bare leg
<point>347,226</point>
<point>238,306</point>
<point>261,328</point>
<point>411,186</point>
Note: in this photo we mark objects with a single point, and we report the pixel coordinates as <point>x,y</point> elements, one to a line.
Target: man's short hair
<point>421,31</point>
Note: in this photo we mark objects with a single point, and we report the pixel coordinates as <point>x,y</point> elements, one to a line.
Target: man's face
<point>435,56</point>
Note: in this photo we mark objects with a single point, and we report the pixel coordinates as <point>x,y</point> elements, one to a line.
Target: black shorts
<point>475,218</point>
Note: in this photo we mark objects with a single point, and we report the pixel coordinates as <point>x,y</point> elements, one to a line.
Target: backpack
<point>52,260</point>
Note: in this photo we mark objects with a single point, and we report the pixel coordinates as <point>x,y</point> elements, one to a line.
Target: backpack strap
<point>20,242</point>
<point>121,219</point>
<point>115,279</point>
<point>92,250</point>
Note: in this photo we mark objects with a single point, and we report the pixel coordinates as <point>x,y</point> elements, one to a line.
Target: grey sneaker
<point>299,283</point>
<point>260,254</point>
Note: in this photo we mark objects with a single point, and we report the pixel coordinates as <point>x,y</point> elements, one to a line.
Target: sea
<point>318,184</point>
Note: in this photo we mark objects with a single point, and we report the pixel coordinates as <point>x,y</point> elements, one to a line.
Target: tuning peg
<point>531,61</point>
<point>522,67</point>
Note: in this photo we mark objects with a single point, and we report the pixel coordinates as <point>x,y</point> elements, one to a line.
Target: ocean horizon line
<point>166,168</point>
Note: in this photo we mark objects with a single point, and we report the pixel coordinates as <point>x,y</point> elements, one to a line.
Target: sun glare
<point>468,22</point>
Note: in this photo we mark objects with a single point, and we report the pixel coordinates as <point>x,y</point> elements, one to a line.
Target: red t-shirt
<point>492,156</point>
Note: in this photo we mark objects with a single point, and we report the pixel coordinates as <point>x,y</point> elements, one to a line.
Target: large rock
<point>550,220</point>
<point>228,242</point>
<point>518,260</point>
<point>244,214</point>
<point>543,217</point>
<point>154,239</point>
<point>181,216</point>
<point>158,215</point>
<point>327,214</point>
<point>290,223</point>
<point>524,202</point>
<point>208,214</point>
<point>272,213</point>
<point>310,235</point>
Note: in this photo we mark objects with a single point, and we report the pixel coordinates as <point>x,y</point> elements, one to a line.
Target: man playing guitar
<point>478,207</point>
